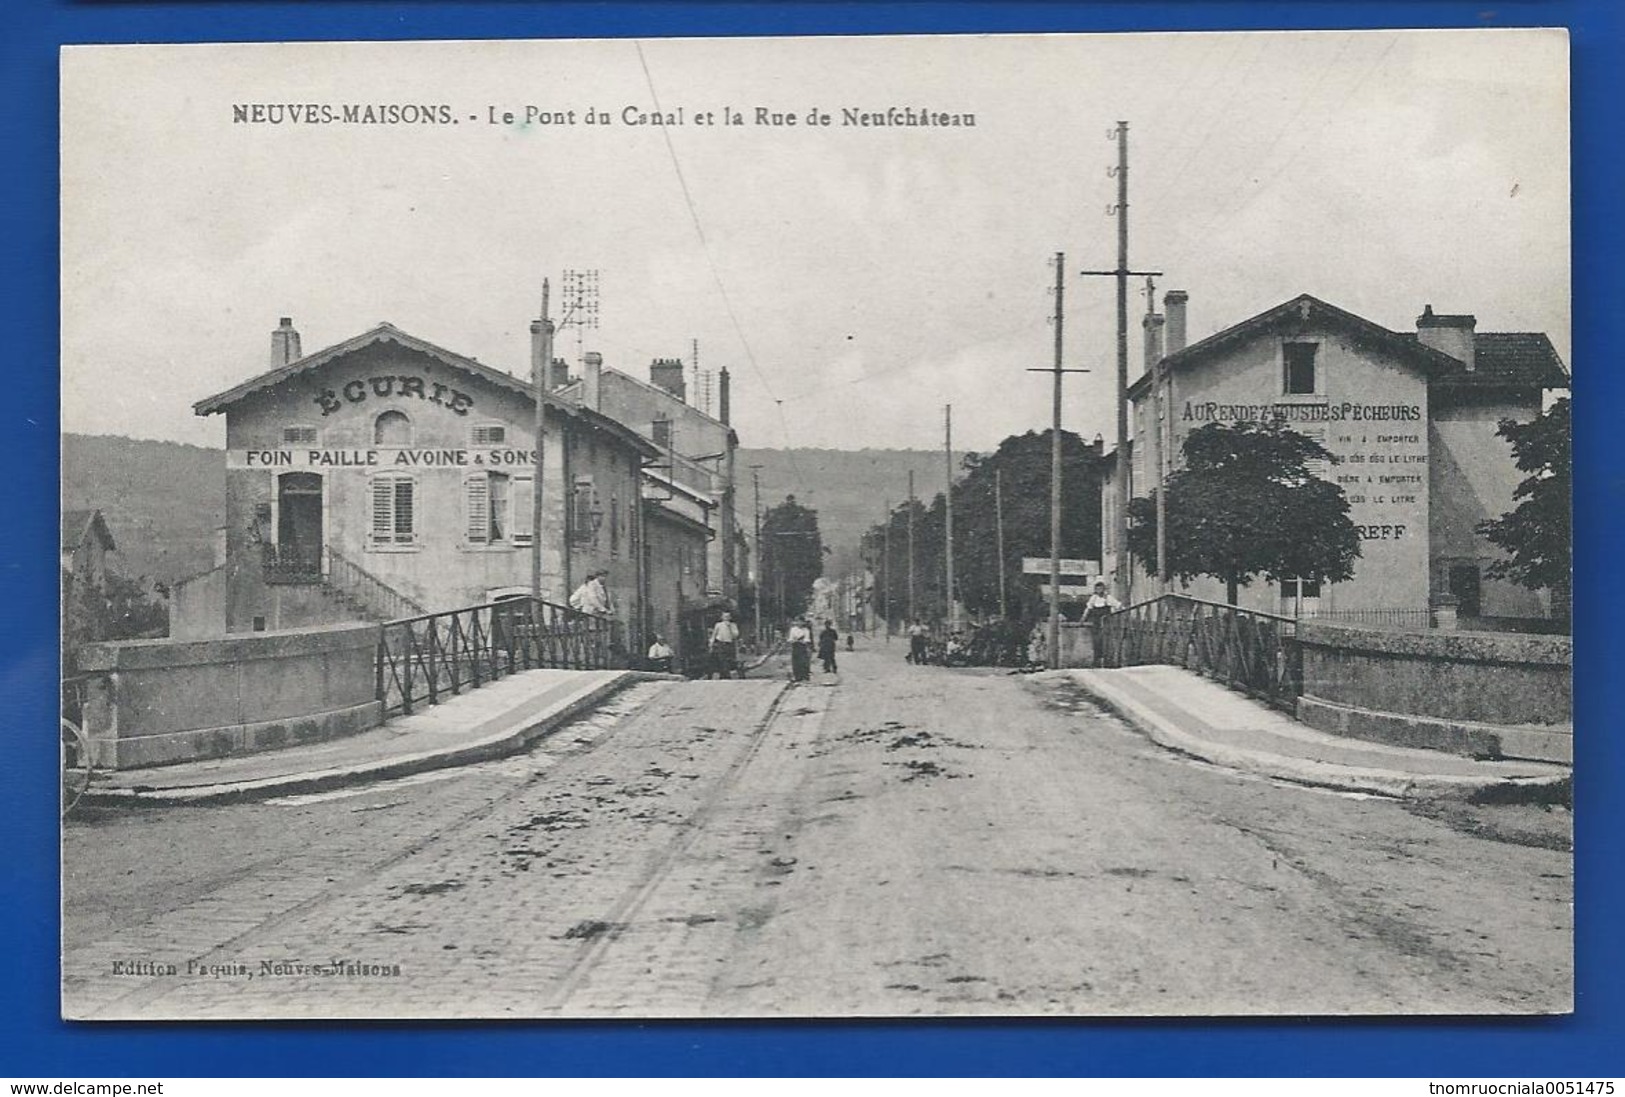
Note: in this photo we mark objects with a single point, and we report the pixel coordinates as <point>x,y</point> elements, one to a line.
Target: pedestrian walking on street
<point>724,647</point>
<point>1095,611</point>
<point>800,639</point>
<point>916,644</point>
<point>827,640</point>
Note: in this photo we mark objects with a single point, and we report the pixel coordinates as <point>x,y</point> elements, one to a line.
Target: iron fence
<point>1257,653</point>
<point>291,564</point>
<point>1407,618</point>
<point>432,656</point>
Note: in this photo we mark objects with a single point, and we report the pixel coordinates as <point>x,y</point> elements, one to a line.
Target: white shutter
<point>523,496</point>
<point>383,509</point>
<point>477,494</point>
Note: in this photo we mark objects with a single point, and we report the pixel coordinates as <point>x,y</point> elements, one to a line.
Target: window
<point>584,513</point>
<point>1299,364</point>
<point>392,428</point>
<point>662,433</point>
<point>614,526</point>
<point>489,505</point>
<point>523,494</point>
<point>300,434</point>
<point>490,434</point>
<point>1320,468</point>
<point>394,516</point>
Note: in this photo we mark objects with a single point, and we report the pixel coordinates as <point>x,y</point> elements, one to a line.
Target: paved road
<point>900,841</point>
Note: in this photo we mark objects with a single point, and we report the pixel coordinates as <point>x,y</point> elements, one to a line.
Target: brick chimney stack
<point>667,373</point>
<point>1153,340</point>
<point>722,396</point>
<point>1452,334</point>
<point>1173,303</point>
<point>284,344</point>
<point>592,373</point>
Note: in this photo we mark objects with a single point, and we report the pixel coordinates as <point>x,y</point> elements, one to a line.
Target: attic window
<point>300,434</point>
<point>392,428</point>
<point>1298,361</point>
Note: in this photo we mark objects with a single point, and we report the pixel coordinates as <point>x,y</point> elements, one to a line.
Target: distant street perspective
<point>887,840</point>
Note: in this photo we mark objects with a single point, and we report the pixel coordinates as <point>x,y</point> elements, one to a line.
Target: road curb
<point>509,741</point>
<point>1331,775</point>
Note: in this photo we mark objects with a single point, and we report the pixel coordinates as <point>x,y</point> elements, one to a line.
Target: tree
<point>1537,534</point>
<point>1021,465</point>
<point>792,556</point>
<point>1246,505</point>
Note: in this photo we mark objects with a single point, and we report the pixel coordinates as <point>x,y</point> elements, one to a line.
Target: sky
<point>854,280</point>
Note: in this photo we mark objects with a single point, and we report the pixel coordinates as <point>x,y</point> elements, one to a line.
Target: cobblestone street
<point>900,841</point>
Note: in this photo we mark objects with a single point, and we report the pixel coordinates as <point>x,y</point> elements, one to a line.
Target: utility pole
<point>756,486</point>
<point>948,500</point>
<point>1155,345</point>
<point>998,523</point>
<point>1057,370</point>
<point>1121,273</point>
<point>885,570</point>
<point>912,616</point>
<point>541,363</point>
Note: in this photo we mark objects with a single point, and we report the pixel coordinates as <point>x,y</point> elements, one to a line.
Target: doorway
<point>299,523</point>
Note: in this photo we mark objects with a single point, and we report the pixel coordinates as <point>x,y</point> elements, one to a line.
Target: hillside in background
<point>848,488</point>
<point>162,500</point>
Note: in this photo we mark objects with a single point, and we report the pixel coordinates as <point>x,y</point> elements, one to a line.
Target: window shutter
<point>383,509</point>
<point>404,518</point>
<point>490,434</point>
<point>477,493</point>
<point>523,497</point>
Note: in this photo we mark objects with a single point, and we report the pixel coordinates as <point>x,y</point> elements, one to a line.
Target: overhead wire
<point>710,259</point>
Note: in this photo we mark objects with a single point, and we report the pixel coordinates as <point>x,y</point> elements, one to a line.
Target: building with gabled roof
<point>1410,417</point>
<point>385,475</point>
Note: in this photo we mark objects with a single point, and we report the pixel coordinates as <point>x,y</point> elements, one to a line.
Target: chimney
<point>560,375</point>
<point>1452,334</point>
<point>284,344</point>
<point>538,350</point>
<point>1153,339</point>
<point>592,371</point>
<point>722,397</point>
<point>667,373</point>
<point>1173,302</point>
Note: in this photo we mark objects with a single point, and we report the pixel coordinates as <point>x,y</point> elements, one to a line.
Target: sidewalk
<point>497,719</point>
<point>1185,712</point>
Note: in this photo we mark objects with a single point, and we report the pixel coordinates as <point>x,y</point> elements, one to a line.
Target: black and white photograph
<point>1070,525</point>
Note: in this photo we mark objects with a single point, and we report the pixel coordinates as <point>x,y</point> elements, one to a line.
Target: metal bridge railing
<point>433,656</point>
<point>1254,652</point>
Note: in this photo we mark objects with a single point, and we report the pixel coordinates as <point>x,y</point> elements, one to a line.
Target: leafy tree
<point>1246,505</point>
<point>1537,534</point>
<point>119,608</point>
<point>1021,467</point>
<point>792,557</point>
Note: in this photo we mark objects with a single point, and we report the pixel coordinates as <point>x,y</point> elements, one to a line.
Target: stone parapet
<point>1478,693</point>
<point>156,702</point>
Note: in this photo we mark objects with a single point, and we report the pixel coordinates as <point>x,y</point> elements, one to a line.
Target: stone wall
<point>156,702</point>
<point>1476,693</point>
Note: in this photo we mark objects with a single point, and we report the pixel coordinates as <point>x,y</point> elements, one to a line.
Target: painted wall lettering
<point>387,385</point>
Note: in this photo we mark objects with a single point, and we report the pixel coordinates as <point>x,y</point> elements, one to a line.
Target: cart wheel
<point>77,771</point>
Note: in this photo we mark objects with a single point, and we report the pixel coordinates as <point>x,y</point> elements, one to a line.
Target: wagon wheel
<point>77,771</point>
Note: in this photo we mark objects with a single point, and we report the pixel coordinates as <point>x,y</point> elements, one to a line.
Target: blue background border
<point>34,1043</point>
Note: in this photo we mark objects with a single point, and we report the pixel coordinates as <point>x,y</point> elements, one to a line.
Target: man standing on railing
<point>1096,609</point>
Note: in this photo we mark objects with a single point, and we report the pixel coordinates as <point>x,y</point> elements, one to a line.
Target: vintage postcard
<point>817,527</point>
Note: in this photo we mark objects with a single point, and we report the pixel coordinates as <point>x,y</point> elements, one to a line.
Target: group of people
<point>1002,643</point>
<point>800,640</point>
<point>721,648</point>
